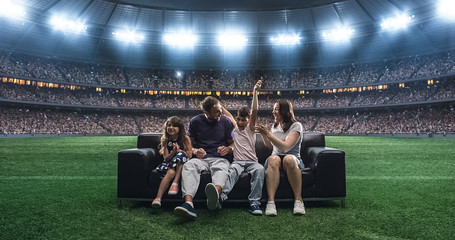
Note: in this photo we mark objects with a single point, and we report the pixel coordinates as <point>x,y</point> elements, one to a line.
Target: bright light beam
<point>182,39</point>
<point>10,9</point>
<point>400,21</point>
<point>128,36</point>
<point>445,9</point>
<point>286,39</point>
<point>340,34</point>
<point>66,25</point>
<point>232,41</point>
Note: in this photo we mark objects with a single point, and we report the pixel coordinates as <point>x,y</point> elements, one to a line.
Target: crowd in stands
<point>169,102</point>
<point>387,71</point>
<point>413,92</point>
<point>134,100</point>
<point>140,78</point>
<point>413,71</point>
<point>417,121</point>
<point>15,120</point>
<point>334,100</point>
<point>304,78</point>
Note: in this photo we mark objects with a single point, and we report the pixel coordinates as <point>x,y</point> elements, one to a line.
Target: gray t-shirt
<point>279,133</point>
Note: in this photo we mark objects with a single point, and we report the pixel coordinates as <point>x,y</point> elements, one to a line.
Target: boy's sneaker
<point>212,197</point>
<point>255,210</point>
<point>156,203</point>
<point>185,211</point>
<point>299,208</point>
<point>270,210</point>
<point>220,203</point>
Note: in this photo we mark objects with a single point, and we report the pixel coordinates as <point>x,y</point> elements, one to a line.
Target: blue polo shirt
<point>210,135</point>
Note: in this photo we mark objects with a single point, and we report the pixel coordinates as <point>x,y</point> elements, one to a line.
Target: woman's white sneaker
<point>270,209</point>
<point>299,208</point>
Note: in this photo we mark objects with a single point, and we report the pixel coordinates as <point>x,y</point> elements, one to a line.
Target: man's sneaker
<point>255,210</point>
<point>156,203</point>
<point>212,197</point>
<point>299,208</point>
<point>185,211</point>
<point>270,210</point>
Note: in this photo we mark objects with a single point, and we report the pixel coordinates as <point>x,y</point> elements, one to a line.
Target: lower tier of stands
<point>435,119</point>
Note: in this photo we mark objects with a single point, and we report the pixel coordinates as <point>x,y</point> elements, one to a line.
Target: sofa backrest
<point>262,152</point>
<point>149,140</point>
<point>310,139</point>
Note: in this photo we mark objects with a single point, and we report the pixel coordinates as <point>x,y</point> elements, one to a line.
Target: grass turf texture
<point>65,188</point>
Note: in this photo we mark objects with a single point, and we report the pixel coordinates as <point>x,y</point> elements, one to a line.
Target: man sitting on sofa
<point>211,136</point>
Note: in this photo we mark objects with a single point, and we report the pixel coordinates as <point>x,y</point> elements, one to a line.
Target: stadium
<point>80,80</point>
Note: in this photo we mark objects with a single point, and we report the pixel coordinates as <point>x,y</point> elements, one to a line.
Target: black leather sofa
<point>323,177</point>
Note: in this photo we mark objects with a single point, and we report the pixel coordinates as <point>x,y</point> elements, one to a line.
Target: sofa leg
<point>119,203</point>
<point>343,203</point>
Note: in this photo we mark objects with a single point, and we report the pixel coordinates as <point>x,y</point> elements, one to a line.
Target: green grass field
<point>65,188</point>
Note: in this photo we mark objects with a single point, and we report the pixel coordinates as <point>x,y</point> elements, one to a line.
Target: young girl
<point>176,149</point>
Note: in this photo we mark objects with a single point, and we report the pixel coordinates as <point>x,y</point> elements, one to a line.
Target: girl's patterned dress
<point>180,157</point>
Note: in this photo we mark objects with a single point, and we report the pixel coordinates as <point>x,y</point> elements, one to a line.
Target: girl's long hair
<point>176,122</point>
<point>286,112</point>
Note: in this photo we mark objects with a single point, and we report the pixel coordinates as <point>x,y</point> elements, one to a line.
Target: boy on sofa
<point>245,153</point>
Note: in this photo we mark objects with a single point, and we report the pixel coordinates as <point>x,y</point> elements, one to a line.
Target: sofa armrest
<point>328,165</point>
<point>134,166</point>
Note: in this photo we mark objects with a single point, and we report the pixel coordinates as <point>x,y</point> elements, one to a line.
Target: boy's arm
<point>254,106</point>
<point>229,115</point>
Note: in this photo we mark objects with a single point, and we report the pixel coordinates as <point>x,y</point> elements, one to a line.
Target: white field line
<point>115,177</point>
<point>400,178</point>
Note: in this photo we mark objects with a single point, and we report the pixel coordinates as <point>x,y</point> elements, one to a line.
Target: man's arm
<point>198,152</point>
<point>189,151</point>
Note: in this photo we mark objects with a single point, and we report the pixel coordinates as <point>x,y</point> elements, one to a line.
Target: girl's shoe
<point>156,203</point>
<point>174,189</point>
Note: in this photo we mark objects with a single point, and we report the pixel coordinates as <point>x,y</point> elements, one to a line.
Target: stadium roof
<point>237,5</point>
<point>259,20</point>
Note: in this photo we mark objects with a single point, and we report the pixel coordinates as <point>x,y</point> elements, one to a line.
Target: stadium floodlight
<point>10,9</point>
<point>232,40</point>
<point>182,39</point>
<point>445,9</point>
<point>399,21</point>
<point>340,34</point>
<point>286,39</point>
<point>63,24</point>
<point>128,36</point>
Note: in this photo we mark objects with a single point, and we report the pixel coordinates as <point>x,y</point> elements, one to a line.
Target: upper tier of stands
<point>388,71</point>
